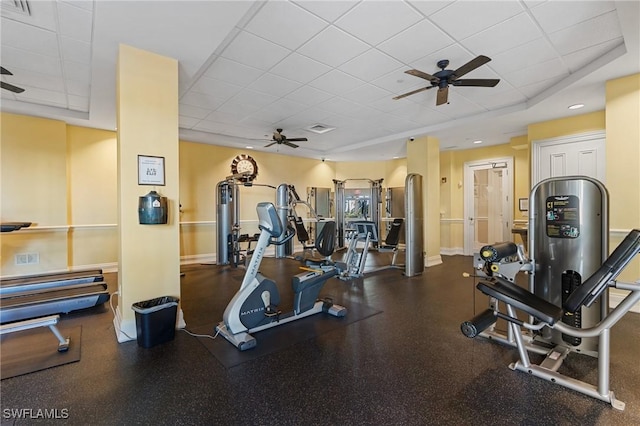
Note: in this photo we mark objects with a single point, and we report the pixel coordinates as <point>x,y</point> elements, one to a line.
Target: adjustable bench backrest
<point>393,237</point>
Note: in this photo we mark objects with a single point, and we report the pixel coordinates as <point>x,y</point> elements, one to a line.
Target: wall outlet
<point>27,258</point>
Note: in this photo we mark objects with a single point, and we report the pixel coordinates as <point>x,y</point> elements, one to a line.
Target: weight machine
<point>569,277</point>
<point>229,237</point>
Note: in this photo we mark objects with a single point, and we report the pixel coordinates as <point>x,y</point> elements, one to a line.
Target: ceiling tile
<point>187,122</point>
<point>370,65</point>
<point>193,111</point>
<point>42,14</point>
<point>464,18</point>
<point>520,28</point>
<point>285,23</point>
<point>580,58</point>
<point>300,68</point>
<point>327,10</point>
<point>75,50</point>
<point>397,81</point>
<point>336,82</point>
<point>428,8</point>
<point>556,15</point>
<point>254,51</point>
<point>251,97</point>
<point>308,95</point>
<point>34,79</point>
<point>75,22</point>
<point>366,93</point>
<point>29,38</point>
<point>78,103</point>
<point>524,56</point>
<point>279,110</point>
<point>233,72</point>
<point>594,31</point>
<point>274,85</point>
<point>536,73</point>
<point>78,88</point>
<point>44,96</point>
<point>208,102</point>
<point>333,47</point>
<point>415,42</point>
<point>77,71</point>
<point>216,88</point>
<point>12,57</point>
<point>369,20</point>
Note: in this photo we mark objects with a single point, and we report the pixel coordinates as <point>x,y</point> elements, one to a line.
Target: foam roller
<point>478,324</point>
<point>495,252</point>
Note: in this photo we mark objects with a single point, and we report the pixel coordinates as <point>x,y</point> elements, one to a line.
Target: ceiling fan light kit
<point>444,78</point>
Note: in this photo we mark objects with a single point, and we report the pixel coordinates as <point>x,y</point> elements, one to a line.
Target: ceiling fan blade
<point>269,144</point>
<point>418,73</point>
<point>443,96</point>
<point>292,145</point>
<point>297,140</point>
<point>480,82</point>
<point>413,92</point>
<point>11,87</point>
<point>469,66</point>
<point>4,71</point>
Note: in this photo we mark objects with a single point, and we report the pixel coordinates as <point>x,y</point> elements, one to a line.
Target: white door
<point>569,156</point>
<point>488,211</point>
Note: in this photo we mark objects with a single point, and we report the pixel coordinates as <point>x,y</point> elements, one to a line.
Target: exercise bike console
<point>255,306</point>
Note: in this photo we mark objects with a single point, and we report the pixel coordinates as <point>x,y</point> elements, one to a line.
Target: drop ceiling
<point>247,68</point>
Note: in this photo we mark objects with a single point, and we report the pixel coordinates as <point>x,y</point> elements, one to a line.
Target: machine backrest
<point>268,219</point>
<point>326,240</point>
<point>593,287</point>
<point>301,231</point>
<point>364,226</point>
<point>394,233</point>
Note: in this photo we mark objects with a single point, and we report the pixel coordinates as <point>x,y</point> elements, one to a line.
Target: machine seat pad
<point>520,298</point>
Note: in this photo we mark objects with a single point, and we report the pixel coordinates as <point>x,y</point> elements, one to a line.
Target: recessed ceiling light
<point>249,147</point>
<point>478,141</point>
<point>395,157</point>
<point>576,106</point>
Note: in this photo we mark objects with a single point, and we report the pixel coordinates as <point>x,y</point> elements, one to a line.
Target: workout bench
<point>50,321</point>
<point>545,314</point>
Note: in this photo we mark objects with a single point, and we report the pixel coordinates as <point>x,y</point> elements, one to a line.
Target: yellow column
<point>147,115</point>
<point>423,157</point>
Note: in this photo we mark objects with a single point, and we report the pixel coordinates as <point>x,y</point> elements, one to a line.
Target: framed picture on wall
<point>150,170</point>
<point>524,204</point>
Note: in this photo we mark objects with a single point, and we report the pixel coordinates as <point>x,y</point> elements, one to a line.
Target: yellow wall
<point>623,160</point>
<point>92,189</point>
<point>452,192</point>
<point>34,189</point>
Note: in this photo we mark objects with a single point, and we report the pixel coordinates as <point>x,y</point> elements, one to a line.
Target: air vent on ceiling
<point>16,6</point>
<point>319,128</point>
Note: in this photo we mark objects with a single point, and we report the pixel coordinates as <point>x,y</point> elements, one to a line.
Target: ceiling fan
<point>443,78</point>
<point>279,138</point>
<point>7,86</point>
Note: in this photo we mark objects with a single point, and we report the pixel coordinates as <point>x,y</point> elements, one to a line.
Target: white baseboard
<point>433,261</point>
<point>451,251</point>
<point>198,258</point>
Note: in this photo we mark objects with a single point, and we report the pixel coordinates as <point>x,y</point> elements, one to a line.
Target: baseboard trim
<point>433,261</point>
<point>451,251</point>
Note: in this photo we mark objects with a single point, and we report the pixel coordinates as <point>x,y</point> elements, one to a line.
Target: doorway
<point>488,207</point>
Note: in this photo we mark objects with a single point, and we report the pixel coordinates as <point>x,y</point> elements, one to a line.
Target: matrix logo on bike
<point>252,311</point>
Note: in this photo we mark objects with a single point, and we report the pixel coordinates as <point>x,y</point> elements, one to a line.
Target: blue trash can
<point>156,320</point>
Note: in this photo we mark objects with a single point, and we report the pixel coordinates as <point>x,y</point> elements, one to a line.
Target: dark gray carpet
<point>25,352</point>
<point>281,337</point>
